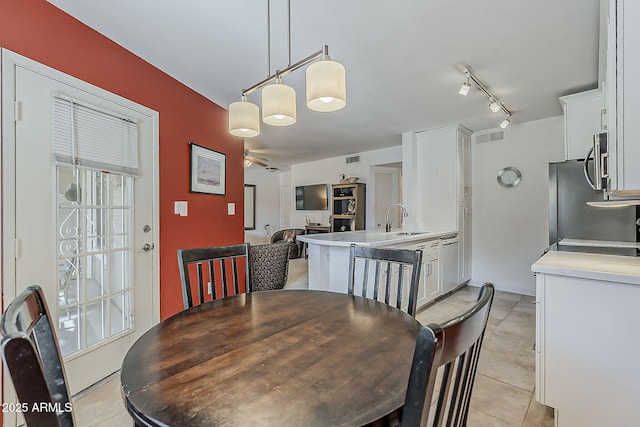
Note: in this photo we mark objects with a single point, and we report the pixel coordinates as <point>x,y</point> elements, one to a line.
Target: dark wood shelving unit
<point>348,204</point>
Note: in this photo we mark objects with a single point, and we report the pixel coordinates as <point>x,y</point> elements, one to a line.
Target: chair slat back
<point>390,271</point>
<point>32,356</point>
<point>215,267</point>
<point>453,346</point>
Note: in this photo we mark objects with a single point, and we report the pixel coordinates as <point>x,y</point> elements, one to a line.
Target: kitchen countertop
<point>372,238</point>
<point>613,268</point>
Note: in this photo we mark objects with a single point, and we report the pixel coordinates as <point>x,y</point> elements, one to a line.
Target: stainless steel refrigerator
<point>577,227</point>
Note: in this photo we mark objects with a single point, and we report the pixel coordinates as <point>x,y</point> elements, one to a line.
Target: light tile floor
<point>505,380</point>
<point>503,391</point>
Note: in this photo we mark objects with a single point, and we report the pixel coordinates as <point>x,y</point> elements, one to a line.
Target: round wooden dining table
<point>286,358</point>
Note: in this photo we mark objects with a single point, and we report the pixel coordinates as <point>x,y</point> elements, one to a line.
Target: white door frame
<point>9,61</point>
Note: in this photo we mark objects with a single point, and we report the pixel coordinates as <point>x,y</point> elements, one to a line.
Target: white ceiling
<point>403,59</point>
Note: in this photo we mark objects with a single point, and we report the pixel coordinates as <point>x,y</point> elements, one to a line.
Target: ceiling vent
<point>494,136</point>
<point>353,159</point>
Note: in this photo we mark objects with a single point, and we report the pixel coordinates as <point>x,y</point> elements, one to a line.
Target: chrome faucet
<point>387,227</point>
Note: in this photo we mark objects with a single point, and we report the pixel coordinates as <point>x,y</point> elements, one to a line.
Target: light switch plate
<point>231,208</point>
<point>180,208</point>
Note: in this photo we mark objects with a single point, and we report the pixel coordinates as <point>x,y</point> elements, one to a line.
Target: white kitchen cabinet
<point>430,286</point>
<point>442,175</point>
<point>443,201</point>
<point>584,115</point>
<point>464,166</point>
<point>421,298</point>
<point>586,338</point>
<point>623,96</point>
<point>464,242</point>
<point>431,277</point>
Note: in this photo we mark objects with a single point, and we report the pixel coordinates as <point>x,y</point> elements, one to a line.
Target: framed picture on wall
<point>249,207</point>
<point>208,170</point>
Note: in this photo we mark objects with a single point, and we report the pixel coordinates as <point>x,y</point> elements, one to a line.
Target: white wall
<point>327,171</point>
<point>510,225</point>
<point>267,202</point>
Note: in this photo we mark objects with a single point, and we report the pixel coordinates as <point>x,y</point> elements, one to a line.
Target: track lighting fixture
<point>326,92</point>
<point>494,103</point>
<point>466,86</point>
<point>494,106</point>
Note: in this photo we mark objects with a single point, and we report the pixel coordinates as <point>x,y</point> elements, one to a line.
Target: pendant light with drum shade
<point>244,119</point>
<point>279,104</point>
<point>326,92</point>
<point>326,85</point>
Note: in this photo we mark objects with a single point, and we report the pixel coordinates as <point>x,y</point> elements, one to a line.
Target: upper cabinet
<point>443,175</point>
<point>584,115</point>
<point>623,96</point>
<point>464,166</point>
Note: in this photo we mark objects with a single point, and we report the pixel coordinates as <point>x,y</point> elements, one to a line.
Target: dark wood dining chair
<point>31,354</point>
<point>213,266</point>
<point>453,346</point>
<point>269,267</point>
<point>382,273</point>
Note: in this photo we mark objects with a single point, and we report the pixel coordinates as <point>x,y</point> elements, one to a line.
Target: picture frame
<point>208,170</point>
<point>249,207</point>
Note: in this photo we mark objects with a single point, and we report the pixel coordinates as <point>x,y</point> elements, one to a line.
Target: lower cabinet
<point>587,350</point>
<point>464,243</point>
<point>431,277</point>
<point>430,286</point>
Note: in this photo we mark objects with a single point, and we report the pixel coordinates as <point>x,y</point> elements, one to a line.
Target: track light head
<point>494,106</point>
<point>506,122</point>
<point>464,89</point>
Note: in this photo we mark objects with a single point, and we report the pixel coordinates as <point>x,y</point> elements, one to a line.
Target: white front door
<point>79,234</point>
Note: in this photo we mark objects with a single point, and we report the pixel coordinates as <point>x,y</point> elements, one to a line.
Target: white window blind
<point>93,138</point>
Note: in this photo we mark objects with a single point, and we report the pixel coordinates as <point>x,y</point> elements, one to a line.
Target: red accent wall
<point>40,31</point>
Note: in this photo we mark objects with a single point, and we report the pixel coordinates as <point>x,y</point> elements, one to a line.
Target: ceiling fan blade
<point>256,161</point>
<point>256,157</point>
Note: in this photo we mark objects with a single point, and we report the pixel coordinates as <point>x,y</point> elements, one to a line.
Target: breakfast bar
<point>329,253</point>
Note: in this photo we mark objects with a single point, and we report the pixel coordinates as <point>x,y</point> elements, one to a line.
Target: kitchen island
<point>587,344</point>
<point>329,257</point>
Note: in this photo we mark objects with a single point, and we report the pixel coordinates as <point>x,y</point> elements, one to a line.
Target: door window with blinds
<point>96,157</point>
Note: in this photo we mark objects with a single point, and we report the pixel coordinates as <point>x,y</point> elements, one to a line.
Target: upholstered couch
<point>289,236</point>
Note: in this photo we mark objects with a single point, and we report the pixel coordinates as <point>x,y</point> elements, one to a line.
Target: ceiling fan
<point>249,159</point>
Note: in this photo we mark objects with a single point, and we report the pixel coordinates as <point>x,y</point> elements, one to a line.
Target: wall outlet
<point>231,208</point>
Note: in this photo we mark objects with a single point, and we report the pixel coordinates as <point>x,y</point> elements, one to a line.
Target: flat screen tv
<point>312,197</point>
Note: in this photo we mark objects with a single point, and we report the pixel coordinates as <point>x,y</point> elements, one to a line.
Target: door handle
<point>147,247</point>
<point>585,169</point>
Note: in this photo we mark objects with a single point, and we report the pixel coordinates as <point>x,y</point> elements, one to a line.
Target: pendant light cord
<point>289,30</point>
<point>268,37</point>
